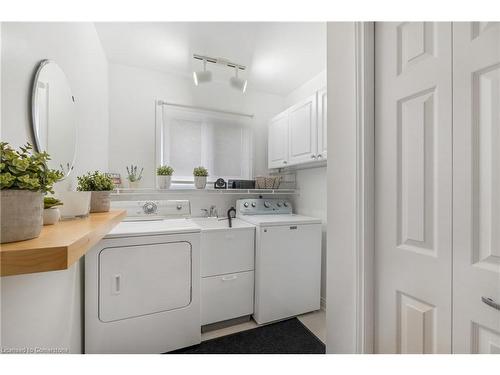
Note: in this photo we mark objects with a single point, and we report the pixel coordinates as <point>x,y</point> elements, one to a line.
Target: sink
<point>214,223</point>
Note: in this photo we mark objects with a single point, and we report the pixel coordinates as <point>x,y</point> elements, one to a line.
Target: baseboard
<point>323,303</point>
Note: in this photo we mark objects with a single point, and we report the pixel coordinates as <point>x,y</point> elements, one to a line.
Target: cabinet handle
<point>491,303</point>
<point>117,284</point>
<point>229,278</point>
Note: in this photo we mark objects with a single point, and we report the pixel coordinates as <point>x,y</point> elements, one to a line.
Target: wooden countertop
<point>59,246</point>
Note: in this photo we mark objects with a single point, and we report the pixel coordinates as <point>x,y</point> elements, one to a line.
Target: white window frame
<point>165,112</point>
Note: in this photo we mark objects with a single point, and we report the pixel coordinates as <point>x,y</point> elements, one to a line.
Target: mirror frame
<point>34,106</point>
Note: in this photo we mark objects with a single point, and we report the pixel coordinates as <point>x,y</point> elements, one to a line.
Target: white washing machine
<point>142,282</point>
<point>287,259</point>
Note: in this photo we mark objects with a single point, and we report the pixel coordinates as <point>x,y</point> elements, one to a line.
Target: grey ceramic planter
<point>100,201</point>
<point>21,215</point>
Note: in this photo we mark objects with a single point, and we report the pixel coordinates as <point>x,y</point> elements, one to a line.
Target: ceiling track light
<point>238,83</point>
<point>206,76</point>
<point>202,76</point>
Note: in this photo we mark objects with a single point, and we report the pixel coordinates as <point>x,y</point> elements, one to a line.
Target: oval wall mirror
<point>53,116</point>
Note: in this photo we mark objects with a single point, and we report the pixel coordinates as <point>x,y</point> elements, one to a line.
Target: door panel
<point>413,140</point>
<point>476,186</point>
<point>303,131</point>
<point>143,279</point>
<point>278,141</point>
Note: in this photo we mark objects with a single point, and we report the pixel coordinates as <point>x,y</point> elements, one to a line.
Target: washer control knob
<point>179,207</point>
<point>267,204</point>
<point>253,204</point>
<point>278,204</point>
<point>149,208</point>
<point>245,204</point>
<point>285,204</point>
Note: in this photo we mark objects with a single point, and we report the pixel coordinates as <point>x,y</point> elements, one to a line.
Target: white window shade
<point>190,138</point>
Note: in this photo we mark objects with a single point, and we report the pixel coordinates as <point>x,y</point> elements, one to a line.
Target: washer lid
<point>142,228</point>
<point>270,220</point>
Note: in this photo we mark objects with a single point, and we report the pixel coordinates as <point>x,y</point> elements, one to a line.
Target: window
<point>189,138</point>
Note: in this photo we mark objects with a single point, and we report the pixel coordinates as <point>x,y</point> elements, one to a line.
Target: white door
<point>143,279</point>
<point>303,131</point>
<point>278,141</point>
<point>413,187</point>
<point>476,187</point>
<point>322,124</point>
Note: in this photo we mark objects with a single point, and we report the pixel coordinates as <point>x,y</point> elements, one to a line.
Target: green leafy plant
<point>25,169</point>
<point>200,172</point>
<point>164,170</point>
<point>132,173</point>
<point>49,202</point>
<point>95,181</point>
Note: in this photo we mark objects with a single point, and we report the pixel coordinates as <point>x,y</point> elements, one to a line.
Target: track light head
<point>238,83</point>
<point>202,76</point>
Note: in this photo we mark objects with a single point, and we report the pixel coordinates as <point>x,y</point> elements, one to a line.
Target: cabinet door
<point>322,124</point>
<point>278,141</point>
<point>303,131</point>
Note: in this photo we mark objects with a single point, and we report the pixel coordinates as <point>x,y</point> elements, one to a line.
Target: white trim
<point>323,304</point>
<point>365,130</point>
<point>350,75</point>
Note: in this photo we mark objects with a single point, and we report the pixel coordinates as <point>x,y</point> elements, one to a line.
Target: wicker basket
<point>267,182</point>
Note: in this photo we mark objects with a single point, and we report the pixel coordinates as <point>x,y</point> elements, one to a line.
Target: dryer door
<point>143,279</point>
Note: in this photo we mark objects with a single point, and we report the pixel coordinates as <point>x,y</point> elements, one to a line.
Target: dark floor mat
<point>287,337</point>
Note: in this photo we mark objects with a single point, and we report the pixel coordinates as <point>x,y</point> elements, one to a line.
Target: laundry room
<point>181,188</point>
<point>180,132</point>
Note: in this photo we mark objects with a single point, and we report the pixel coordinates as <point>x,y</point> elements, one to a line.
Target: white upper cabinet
<point>322,125</point>
<point>298,135</point>
<point>278,141</point>
<point>302,131</point>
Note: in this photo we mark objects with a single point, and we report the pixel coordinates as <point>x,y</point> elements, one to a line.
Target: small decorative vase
<point>133,184</point>
<point>76,203</point>
<point>21,215</point>
<point>164,182</point>
<point>200,182</point>
<point>100,201</point>
<point>51,216</point>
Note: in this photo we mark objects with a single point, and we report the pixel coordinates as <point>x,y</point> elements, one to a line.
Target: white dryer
<point>287,259</point>
<point>142,284</point>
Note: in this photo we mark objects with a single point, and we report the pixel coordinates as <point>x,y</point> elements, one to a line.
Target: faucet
<point>210,212</point>
<point>229,218</point>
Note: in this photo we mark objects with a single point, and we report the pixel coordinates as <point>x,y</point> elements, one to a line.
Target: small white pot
<point>75,203</point>
<point>200,182</point>
<point>133,184</point>
<point>51,215</point>
<point>163,182</point>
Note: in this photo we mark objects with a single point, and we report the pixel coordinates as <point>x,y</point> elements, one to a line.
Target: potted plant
<point>200,177</point>
<point>164,176</point>
<point>133,176</point>
<point>100,185</point>
<point>24,179</point>
<point>51,213</point>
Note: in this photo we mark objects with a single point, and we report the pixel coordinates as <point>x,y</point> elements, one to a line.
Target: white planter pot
<point>51,216</point>
<point>133,184</point>
<point>200,182</point>
<point>21,215</point>
<point>75,203</point>
<point>163,182</point>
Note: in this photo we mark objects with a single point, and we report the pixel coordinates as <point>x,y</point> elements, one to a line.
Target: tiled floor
<point>314,321</point>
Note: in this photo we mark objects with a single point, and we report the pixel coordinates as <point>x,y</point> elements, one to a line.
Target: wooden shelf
<point>59,246</point>
<point>189,191</point>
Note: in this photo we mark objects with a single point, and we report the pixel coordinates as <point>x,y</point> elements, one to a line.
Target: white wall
<point>44,310</point>
<point>311,182</point>
<point>132,114</point>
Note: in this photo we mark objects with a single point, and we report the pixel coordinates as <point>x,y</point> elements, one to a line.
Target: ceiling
<point>280,56</point>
